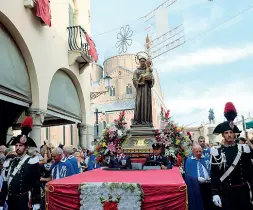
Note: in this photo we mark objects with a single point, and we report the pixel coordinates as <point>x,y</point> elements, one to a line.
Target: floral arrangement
<point>175,140</point>
<point>114,134</point>
<point>110,196</point>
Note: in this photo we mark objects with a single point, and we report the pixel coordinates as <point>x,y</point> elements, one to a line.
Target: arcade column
<point>82,135</point>
<point>38,119</point>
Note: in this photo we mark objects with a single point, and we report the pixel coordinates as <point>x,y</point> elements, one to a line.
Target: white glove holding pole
<point>35,207</point>
<point>217,201</point>
<point>201,179</point>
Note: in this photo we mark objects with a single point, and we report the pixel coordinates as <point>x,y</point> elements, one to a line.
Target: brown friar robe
<point>143,101</point>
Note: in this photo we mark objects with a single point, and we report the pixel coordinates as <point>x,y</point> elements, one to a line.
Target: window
<point>112,91</point>
<point>129,89</point>
<point>47,133</point>
<point>71,134</point>
<point>89,15</point>
<point>71,16</point>
<point>64,134</point>
<point>104,125</point>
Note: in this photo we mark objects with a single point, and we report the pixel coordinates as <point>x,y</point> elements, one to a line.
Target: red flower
<point>100,159</point>
<point>179,160</point>
<point>110,205</point>
<point>167,114</point>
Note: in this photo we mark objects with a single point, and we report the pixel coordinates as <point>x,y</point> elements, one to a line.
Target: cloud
<point>192,105</point>
<point>208,56</point>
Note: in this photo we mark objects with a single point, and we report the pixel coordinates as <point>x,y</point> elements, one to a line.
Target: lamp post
<point>107,80</point>
<point>96,121</point>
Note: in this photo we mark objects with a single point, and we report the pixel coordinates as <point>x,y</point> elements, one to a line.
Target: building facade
<point>46,71</point>
<point>121,95</point>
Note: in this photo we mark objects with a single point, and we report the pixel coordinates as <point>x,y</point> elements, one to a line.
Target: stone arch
<point>27,56</point>
<point>77,87</point>
<point>15,99</point>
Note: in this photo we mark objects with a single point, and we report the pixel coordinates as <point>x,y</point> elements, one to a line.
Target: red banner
<point>43,11</point>
<point>92,51</point>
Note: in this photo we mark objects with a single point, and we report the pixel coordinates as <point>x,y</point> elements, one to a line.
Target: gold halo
<point>142,54</point>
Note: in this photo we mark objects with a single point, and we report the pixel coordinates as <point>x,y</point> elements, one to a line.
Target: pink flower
<point>111,147</point>
<point>164,124</point>
<point>167,114</point>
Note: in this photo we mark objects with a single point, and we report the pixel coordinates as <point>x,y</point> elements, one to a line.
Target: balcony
<point>78,47</point>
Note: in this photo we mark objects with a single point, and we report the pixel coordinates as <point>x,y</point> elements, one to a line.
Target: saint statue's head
<point>141,59</point>
<point>142,62</point>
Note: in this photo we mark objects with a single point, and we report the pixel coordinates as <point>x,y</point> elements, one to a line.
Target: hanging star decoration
<point>124,39</point>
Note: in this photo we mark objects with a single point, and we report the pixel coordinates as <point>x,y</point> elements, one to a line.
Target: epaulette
<point>33,160</point>
<point>244,147</point>
<point>214,151</point>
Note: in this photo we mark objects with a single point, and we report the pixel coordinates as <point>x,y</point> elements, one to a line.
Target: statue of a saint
<point>143,81</point>
<point>211,116</point>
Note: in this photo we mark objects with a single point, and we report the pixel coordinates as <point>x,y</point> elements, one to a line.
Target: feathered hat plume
<point>26,126</point>
<point>230,112</point>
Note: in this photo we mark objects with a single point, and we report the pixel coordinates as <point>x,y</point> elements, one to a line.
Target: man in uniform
<point>21,187</point>
<point>121,160</point>
<point>231,167</point>
<point>157,157</point>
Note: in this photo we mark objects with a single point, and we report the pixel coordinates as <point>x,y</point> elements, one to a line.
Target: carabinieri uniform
<point>231,167</point>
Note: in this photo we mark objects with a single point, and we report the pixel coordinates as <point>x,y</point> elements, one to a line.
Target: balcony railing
<point>77,40</point>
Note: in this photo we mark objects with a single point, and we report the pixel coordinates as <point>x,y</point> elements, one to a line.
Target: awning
<point>63,99</point>
<point>249,124</point>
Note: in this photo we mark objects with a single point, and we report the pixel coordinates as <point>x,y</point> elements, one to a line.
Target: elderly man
<point>231,167</point>
<point>68,152</point>
<point>3,150</point>
<point>61,167</point>
<point>197,177</point>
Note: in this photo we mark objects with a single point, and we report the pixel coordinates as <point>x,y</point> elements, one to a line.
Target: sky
<point>211,68</point>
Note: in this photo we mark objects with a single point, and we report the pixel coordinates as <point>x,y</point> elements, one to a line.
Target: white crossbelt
<point>16,169</point>
<point>232,167</point>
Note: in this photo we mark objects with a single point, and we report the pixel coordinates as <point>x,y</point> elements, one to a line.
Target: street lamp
<point>107,80</point>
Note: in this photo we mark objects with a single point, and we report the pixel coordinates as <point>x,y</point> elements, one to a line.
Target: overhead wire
<point>220,24</point>
<point>134,21</point>
<point>182,14</point>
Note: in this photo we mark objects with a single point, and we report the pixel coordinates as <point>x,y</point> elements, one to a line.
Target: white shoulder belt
<point>233,165</point>
<point>16,169</point>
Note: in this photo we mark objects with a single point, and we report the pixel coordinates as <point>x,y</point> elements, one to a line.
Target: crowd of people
<point>25,171</point>
<point>217,176</point>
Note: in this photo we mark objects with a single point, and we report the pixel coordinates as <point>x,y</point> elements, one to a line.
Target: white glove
<point>201,179</point>
<point>35,207</point>
<point>217,201</point>
<point>1,208</point>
